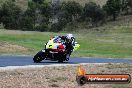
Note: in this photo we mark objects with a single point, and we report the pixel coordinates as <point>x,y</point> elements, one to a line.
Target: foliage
<point>63,19</point>
<point>38,1</point>
<point>94,12</point>
<point>73,9</point>
<point>130,4</point>
<point>36,17</point>
<point>69,12</point>
<point>26,22</point>
<point>126,6</point>
<point>113,8</point>
<point>10,14</point>
<point>44,15</point>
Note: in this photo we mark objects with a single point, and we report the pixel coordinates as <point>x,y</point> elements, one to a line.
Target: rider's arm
<point>73,41</point>
<point>63,38</point>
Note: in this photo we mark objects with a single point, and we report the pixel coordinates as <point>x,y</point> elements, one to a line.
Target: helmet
<point>69,36</point>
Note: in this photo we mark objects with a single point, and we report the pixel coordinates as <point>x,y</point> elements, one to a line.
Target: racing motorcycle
<point>55,50</point>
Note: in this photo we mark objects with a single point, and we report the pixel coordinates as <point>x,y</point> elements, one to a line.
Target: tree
<point>44,16</point>
<point>36,17</point>
<point>26,23</point>
<point>0,15</point>
<point>45,10</point>
<point>65,13</point>
<point>62,21</point>
<point>28,18</point>
<point>126,6</point>
<point>38,1</point>
<point>113,7</point>
<point>73,9</point>
<point>93,12</point>
<point>10,14</point>
<point>55,7</point>
<point>129,5</point>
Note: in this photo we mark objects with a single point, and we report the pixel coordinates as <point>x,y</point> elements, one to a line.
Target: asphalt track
<point>27,60</point>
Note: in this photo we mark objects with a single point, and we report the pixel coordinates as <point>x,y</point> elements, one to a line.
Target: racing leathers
<point>69,44</point>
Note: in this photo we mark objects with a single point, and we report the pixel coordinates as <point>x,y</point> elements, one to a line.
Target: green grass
<point>110,45</point>
<point>106,45</point>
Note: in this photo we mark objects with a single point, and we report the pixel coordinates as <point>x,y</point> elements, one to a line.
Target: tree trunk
<point>114,17</point>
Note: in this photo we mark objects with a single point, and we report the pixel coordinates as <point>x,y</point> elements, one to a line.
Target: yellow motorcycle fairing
<point>51,44</point>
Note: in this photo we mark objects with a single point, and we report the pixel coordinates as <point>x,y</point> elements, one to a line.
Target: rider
<point>69,42</point>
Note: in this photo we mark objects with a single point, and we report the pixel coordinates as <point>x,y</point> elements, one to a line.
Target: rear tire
<point>60,61</point>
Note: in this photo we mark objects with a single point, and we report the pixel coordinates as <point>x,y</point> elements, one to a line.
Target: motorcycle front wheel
<point>38,57</point>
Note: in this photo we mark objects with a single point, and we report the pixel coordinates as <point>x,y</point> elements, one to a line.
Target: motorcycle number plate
<point>43,50</point>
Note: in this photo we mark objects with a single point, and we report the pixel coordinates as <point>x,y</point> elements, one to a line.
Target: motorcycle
<point>55,50</point>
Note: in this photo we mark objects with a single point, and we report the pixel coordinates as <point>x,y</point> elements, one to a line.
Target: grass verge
<point>96,44</point>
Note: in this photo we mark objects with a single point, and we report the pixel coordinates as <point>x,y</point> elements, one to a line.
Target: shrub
<point>42,27</point>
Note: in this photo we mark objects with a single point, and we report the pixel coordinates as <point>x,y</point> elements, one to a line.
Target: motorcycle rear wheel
<point>60,61</point>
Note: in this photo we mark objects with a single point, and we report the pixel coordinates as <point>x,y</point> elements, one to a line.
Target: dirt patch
<point>8,47</point>
<point>61,77</point>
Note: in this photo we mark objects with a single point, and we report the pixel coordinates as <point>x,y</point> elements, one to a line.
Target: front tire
<point>38,57</point>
